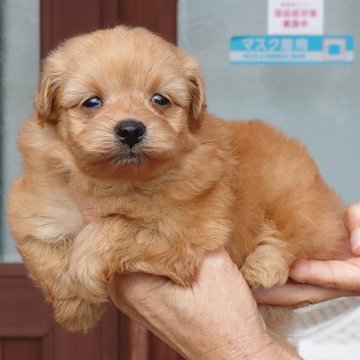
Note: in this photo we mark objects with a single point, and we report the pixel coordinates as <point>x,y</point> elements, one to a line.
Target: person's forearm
<point>265,349</point>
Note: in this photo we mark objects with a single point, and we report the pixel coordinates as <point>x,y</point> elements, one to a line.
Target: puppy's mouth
<point>129,157</point>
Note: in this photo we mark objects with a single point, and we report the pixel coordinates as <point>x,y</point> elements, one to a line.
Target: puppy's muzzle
<point>130,132</point>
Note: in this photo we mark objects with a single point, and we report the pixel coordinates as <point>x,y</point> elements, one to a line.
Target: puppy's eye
<point>93,102</point>
<point>160,100</point>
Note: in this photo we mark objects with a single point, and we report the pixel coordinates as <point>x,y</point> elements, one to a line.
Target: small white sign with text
<point>295,17</point>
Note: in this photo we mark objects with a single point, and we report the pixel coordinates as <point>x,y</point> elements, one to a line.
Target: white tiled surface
<point>329,331</point>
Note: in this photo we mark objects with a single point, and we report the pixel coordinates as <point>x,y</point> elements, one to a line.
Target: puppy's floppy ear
<point>48,88</point>
<point>197,105</point>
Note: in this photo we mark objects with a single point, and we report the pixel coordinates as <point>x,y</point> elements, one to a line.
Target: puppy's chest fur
<point>171,210</point>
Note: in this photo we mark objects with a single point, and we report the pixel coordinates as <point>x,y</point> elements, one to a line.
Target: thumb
<point>355,241</point>
<point>298,295</point>
<point>352,223</point>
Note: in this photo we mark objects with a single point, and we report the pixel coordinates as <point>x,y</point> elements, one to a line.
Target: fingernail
<point>355,241</point>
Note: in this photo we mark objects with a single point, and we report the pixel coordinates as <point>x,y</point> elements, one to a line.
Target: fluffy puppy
<point>121,128</point>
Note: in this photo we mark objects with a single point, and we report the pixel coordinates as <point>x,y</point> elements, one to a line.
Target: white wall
<point>20,66</point>
<point>318,104</point>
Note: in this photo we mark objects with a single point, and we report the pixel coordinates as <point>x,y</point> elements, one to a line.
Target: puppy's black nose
<point>130,132</point>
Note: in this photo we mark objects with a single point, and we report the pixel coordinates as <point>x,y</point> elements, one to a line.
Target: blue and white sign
<point>292,49</point>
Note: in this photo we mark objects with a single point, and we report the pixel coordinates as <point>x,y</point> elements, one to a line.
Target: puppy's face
<point>123,100</point>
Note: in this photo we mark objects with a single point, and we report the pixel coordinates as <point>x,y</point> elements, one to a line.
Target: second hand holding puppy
<point>317,281</point>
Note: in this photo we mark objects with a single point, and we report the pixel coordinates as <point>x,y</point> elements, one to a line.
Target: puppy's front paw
<point>180,271</point>
<point>90,281</point>
<point>259,270</point>
<point>76,314</point>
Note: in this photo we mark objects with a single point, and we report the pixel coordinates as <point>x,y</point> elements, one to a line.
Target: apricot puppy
<point>121,129</point>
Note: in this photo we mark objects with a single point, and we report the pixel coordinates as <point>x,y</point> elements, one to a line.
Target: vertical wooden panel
<point>27,325</point>
<point>156,15</point>
<point>21,349</point>
<point>111,334</point>
<point>161,351</point>
<point>46,27</point>
<point>138,342</point>
<point>47,346</point>
<point>109,13</point>
<point>61,19</point>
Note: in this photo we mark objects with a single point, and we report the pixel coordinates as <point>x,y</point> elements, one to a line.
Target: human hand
<point>215,318</point>
<point>317,281</point>
<point>352,223</point>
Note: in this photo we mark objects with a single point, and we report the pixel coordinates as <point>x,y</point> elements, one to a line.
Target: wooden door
<point>27,328</point>
<point>29,332</point>
<point>61,19</point>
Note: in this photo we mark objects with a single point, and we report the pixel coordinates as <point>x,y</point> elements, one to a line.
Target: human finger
<point>352,216</point>
<point>215,263</point>
<point>337,274</point>
<point>352,223</point>
<point>135,287</point>
<point>355,241</point>
<point>298,295</point>
<point>130,294</point>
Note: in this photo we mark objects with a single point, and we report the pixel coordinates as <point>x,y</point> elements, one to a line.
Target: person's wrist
<point>261,347</point>
<point>275,350</point>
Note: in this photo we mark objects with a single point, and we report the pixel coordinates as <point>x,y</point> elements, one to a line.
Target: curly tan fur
<point>193,184</point>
